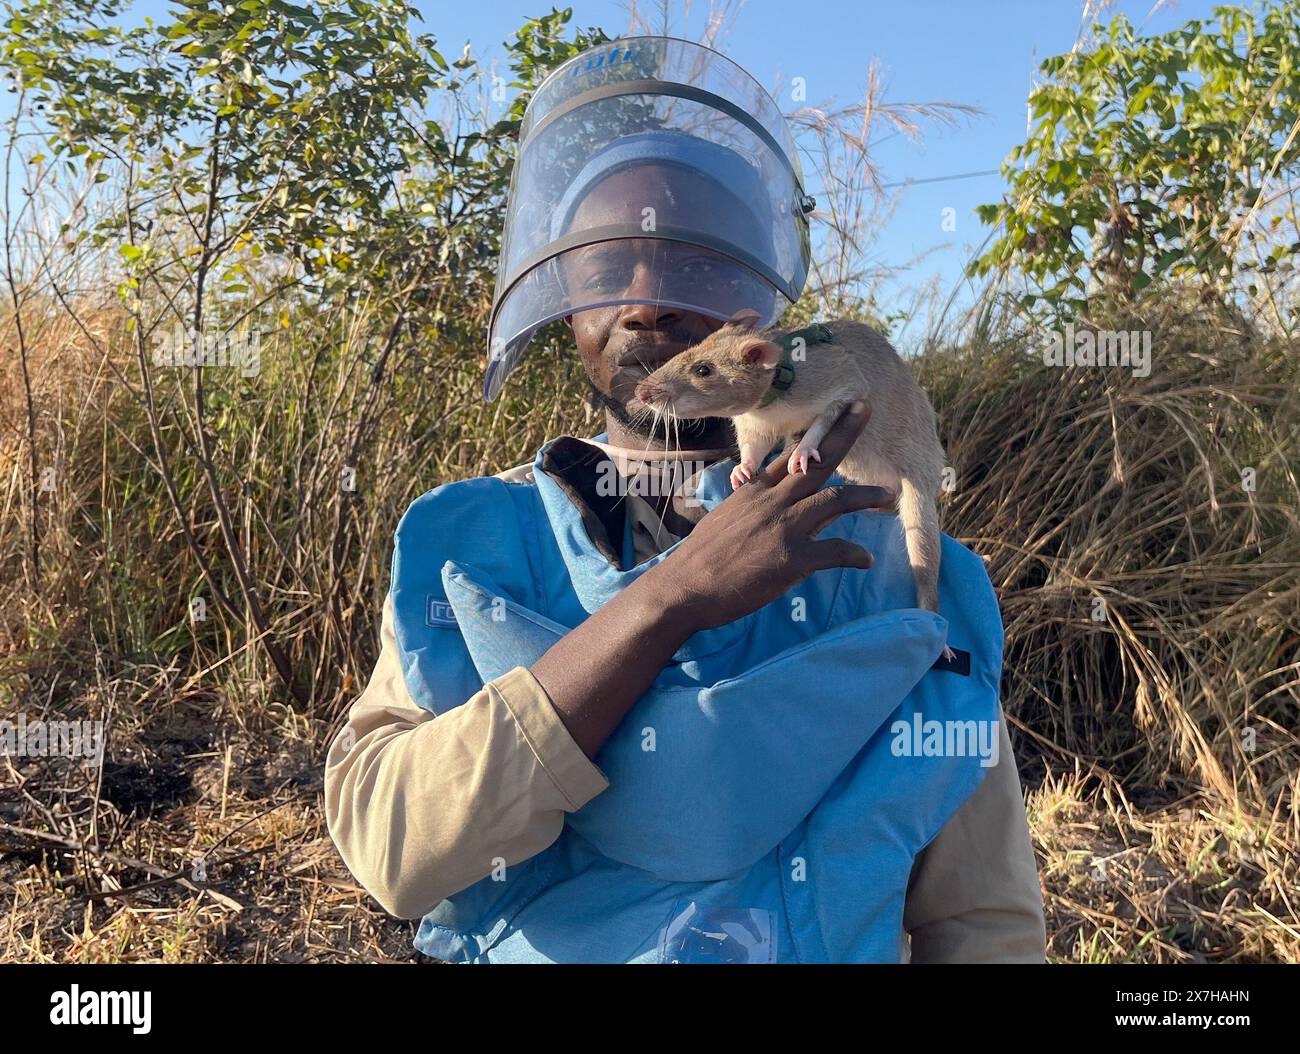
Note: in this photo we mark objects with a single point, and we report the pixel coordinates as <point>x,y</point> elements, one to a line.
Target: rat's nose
<point>649,393</point>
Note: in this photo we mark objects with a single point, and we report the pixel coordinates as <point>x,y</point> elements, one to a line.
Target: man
<point>746,674</point>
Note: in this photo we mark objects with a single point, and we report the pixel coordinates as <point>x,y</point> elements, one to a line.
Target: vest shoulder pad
<point>484,522</point>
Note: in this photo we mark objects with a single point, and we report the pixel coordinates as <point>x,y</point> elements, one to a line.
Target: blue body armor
<point>768,794</point>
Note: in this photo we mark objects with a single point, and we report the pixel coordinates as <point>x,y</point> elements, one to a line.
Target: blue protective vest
<point>764,801</point>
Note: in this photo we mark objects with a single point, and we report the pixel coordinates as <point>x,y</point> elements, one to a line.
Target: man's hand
<point>761,541</point>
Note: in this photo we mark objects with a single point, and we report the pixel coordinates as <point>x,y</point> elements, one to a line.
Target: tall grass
<point>1151,599</point>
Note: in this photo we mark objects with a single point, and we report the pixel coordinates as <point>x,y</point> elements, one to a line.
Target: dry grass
<point>1158,743</point>
<point>1184,883</point>
<point>186,789</point>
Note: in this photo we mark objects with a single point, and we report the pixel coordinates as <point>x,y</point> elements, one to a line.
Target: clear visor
<point>630,189</point>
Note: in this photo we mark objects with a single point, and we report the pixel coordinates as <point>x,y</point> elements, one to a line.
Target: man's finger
<point>776,471</point>
<point>814,513</point>
<point>837,442</point>
<point>838,552</point>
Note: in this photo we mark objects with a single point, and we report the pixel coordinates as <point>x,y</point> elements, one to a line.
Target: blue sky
<point>981,54</point>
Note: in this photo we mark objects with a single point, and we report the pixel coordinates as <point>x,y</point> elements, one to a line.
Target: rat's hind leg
<point>806,451</point>
<point>920,519</point>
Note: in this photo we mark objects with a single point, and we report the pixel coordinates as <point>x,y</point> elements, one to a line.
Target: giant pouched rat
<point>731,374</point>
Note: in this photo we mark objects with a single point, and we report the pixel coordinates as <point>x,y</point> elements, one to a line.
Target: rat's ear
<point>762,353</point>
<point>745,318</point>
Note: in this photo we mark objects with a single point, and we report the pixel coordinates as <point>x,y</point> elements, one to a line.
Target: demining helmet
<point>717,218</point>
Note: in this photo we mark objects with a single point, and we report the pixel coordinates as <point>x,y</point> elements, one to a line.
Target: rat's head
<point>726,374</point>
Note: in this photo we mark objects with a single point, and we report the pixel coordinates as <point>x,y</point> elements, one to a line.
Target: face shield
<point>650,171</point>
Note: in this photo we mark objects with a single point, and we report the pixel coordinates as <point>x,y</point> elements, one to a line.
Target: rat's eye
<point>702,369</point>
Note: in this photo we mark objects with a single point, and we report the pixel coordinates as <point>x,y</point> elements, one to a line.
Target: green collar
<point>783,375</point>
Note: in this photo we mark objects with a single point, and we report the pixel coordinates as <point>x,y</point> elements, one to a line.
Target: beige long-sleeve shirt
<point>422,806</point>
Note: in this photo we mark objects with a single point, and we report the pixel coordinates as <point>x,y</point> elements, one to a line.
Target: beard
<point>645,425</point>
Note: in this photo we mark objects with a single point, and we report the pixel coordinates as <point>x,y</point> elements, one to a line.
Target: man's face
<point>620,345</point>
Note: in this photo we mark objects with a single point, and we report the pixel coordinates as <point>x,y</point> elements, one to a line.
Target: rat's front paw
<point>948,654</point>
<point>802,458</point>
<point>741,474</point>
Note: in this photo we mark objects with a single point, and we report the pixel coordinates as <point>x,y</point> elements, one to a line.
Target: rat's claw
<point>740,475</point>
<point>801,459</point>
<point>948,654</point>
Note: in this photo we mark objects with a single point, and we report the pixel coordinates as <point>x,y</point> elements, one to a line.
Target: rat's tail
<point>920,519</point>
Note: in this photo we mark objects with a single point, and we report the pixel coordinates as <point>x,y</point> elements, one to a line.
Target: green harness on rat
<point>783,375</point>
